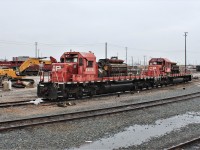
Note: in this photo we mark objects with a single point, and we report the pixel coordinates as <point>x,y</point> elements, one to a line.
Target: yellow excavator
<point>16,77</point>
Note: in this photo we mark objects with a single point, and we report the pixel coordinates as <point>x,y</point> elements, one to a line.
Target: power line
<point>49,44</point>
<point>77,45</point>
<point>15,43</point>
<point>85,45</point>
<point>149,50</point>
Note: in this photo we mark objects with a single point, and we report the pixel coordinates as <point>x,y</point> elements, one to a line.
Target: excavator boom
<point>35,61</point>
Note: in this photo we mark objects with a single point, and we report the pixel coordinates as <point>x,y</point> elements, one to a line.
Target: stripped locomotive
<point>78,74</point>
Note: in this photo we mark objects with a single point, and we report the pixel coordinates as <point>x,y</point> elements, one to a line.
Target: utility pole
<point>126,54</point>
<point>132,60</point>
<point>36,49</point>
<point>38,52</point>
<point>144,62</point>
<point>185,52</point>
<point>106,50</point>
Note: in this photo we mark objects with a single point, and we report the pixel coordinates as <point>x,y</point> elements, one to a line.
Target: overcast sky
<point>150,28</point>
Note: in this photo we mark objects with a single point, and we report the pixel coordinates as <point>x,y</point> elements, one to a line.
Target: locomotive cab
<point>164,63</point>
<point>75,67</point>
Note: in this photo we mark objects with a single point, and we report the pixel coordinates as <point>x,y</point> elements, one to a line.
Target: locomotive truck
<point>78,74</point>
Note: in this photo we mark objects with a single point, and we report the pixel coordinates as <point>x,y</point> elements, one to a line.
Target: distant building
<point>3,59</point>
<point>20,58</point>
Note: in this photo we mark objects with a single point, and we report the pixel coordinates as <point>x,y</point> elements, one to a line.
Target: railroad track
<point>28,102</point>
<point>19,103</point>
<point>14,124</point>
<point>184,144</point>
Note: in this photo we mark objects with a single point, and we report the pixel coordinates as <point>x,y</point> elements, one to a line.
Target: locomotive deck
<point>123,78</point>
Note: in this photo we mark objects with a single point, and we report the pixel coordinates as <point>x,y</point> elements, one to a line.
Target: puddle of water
<point>137,134</point>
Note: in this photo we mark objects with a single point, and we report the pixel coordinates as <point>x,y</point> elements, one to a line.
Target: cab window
<point>71,59</point>
<point>90,64</point>
<point>80,61</point>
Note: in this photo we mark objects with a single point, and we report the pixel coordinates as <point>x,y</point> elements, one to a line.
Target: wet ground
<point>138,134</point>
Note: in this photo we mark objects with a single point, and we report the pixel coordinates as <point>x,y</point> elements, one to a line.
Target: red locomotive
<point>79,74</point>
<point>162,67</point>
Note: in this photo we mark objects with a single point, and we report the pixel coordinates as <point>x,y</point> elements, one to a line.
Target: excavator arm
<point>33,61</point>
<point>27,63</point>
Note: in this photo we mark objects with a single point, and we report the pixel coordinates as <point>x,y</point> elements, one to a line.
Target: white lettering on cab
<point>89,69</point>
<point>56,68</point>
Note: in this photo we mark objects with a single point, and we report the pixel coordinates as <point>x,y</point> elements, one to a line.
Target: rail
<point>186,143</point>
<point>20,103</point>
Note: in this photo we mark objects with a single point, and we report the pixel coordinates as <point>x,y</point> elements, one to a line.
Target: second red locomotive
<point>79,74</point>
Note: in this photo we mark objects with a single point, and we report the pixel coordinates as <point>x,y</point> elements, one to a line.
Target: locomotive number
<point>89,69</point>
<point>152,68</point>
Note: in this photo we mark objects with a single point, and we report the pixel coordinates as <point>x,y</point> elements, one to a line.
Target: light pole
<point>126,54</point>
<point>36,49</point>
<point>106,50</point>
<point>185,52</point>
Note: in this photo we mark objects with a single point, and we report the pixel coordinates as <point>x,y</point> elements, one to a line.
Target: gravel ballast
<point>73,134</point>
